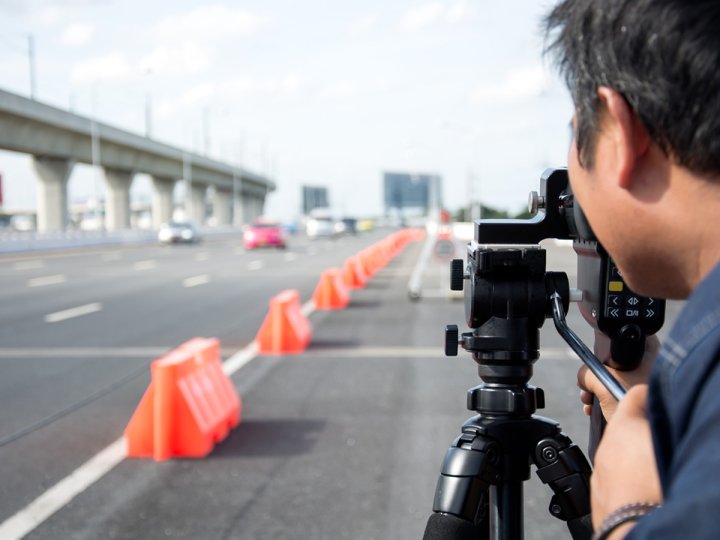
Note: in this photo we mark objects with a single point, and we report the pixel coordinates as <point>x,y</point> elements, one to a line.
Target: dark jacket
<point>684,410</point>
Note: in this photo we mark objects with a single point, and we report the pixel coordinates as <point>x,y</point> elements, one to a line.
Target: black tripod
<point>479,493</point>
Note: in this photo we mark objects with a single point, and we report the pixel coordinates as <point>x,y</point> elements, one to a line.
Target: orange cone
<point>189,406</point>
<point>353,274</point>
<point>331,292</point>
<point>285,329</point>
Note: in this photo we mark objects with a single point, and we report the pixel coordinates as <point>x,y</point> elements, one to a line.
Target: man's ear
<point>625,133</point>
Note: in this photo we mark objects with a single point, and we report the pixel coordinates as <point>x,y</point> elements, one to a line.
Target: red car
<point>264,234</point>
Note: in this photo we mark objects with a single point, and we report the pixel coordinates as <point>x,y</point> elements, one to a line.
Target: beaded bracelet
<point>624,514</point>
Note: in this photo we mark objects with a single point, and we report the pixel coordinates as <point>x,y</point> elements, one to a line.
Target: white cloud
<point>244,88</point>
<point>339,90</point>
<point>112,67</point>
<point>421,17</point>
<point>435,13</point>
<point>208,22</point>
<point>519,84</point>
<point>186,58</point>
<point>363,25</point>
<point>77,34</point>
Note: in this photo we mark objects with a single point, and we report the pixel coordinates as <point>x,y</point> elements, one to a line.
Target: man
<point>645,167</point>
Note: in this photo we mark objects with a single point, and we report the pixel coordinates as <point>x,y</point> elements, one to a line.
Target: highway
<point>342,441</point>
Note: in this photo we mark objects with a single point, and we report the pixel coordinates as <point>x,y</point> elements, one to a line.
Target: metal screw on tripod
<point>451,340</point>
<point>457,274</point>
<point>535,202</point>
<point>549,453</point>
<point>555,509</point>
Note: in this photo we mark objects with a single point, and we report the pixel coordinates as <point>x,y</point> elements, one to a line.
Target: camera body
<point>607,303</point>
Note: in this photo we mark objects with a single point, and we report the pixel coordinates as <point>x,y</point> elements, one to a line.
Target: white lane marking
<point>308,308</point>
<point>29,265</point>
<point>202,257</point>
<point>63,492</point>
<point>82,352</point>
<point>419,352</point>
<point>194,281</point>
<point>145,265</point>
<point>72,313</point>
<point>46,280</point>
<point>255,265</point>
<point>290,256</point>
<point>241,358</point>
<point>55,498</point>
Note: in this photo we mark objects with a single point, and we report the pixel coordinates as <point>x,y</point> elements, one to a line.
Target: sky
<point>316,93</point>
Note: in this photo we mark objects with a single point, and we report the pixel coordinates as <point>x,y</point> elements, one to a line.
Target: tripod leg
<point>461,506</point>
<point>562,466</point>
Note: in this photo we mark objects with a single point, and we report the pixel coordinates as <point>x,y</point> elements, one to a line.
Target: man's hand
<point>591,387</point>
<point>625,469</point>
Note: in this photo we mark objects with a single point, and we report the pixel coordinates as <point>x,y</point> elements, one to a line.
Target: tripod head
<point>509,292</point>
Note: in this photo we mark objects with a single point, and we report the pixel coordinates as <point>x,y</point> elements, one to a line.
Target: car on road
<point>264,234</point>
<point>179,233</point>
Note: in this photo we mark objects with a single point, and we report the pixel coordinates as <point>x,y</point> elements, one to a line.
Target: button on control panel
<point>622,303</point>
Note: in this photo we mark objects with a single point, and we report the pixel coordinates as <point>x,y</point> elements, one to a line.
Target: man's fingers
<point>586,397</point>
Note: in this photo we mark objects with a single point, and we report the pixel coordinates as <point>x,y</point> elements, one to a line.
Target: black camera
<point>506,269</point>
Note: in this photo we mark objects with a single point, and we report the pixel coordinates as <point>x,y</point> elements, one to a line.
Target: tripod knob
<point>457,275</point>
<point>451,340</point>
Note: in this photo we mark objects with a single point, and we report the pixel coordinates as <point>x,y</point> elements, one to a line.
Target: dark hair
<point>663,56</point>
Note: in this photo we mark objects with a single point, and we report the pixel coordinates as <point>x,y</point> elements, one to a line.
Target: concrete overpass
<point>58,139</point>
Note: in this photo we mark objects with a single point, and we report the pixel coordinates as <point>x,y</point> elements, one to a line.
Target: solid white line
<point>194,281</point>
<point>63,492</point>
<point>240,358</point>
<point>145,265</point>
<point>73,312</point>
<point>308,308</point>
<point>255,265</point>
<point>28,265</point>
<point>82,352</point>
<point>46,280</point>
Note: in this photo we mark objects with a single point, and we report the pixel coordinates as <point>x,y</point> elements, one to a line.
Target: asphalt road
<point>342,441</point>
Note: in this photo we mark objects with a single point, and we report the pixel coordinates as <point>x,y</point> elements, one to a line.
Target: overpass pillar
<point>196,210</point>
<point>117,204</point>
<point>162,200</point>
<point>52,204</point>
<point>221,207</point>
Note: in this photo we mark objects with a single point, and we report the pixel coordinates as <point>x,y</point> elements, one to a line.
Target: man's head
<point>644,78</point>
<point>662,56</point>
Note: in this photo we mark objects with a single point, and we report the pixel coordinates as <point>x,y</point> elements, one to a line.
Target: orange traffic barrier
<point>331,292</point>
<point>285,329</point>
<point>354,274</point>
<point>189,406</point>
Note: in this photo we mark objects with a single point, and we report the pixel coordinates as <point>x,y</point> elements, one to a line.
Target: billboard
<point>314,197</point>
<point>407,190</point>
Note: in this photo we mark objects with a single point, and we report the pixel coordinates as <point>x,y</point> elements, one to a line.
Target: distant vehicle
<point>264,234</point>
<point>323,224</point>
<point>179,233</point>
<point>351,225</point>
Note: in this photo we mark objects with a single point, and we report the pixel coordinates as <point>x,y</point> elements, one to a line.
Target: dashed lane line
<point>71,313</point>
<point>194,281</point>
<point>145,265</point>
<point>29,265</point>
<point>46,280</point>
